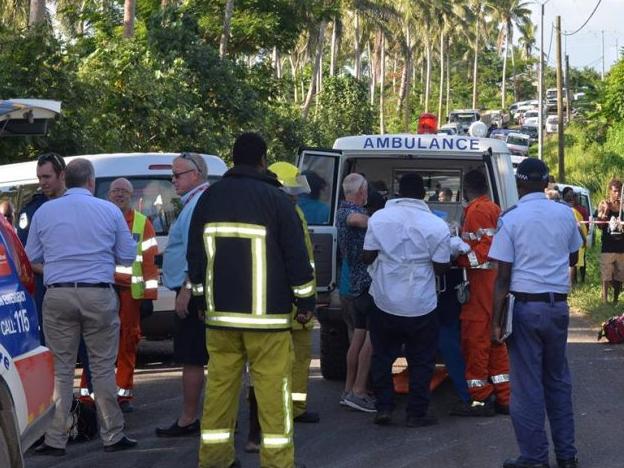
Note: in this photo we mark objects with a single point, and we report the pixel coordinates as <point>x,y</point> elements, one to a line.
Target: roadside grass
<point>585,297</point>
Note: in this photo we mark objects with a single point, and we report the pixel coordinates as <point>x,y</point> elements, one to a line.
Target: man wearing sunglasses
<point>189,177</point>
<point>51,175</point>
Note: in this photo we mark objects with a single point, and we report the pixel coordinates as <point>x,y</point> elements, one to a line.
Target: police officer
<point>51,175</point>
<point>535,242</point>
<point>247,259</point>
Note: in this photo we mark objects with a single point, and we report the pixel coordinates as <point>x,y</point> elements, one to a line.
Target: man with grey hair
<point>189,176</point>
<point>351,221</point>
<point>79,239</point>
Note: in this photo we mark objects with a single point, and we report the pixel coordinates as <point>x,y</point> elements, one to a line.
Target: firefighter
<point>137,287</point>
<point>487,363</point>
<point>247,258</point>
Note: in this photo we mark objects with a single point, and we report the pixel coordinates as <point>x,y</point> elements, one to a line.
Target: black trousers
<point>419,337</point>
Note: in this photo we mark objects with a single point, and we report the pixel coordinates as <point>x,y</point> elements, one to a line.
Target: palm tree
<point>129,12</point>
<point>510,13</point>
<point>37,12</point>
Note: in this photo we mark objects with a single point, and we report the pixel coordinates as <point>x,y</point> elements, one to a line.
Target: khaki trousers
<point>92,312</point>
<point>270,361</point>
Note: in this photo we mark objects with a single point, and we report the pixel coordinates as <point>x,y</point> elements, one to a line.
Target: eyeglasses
<point>55,159</point>
<point>189,157</point>
<point>177,175</point>
<point>120,190</point>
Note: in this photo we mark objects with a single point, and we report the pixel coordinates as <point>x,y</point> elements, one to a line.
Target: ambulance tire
<point>5,455</point>
<point>334,347</point>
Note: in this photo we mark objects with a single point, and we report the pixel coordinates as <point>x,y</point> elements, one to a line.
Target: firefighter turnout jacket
<point>247,255</point>
<point>142,276</point>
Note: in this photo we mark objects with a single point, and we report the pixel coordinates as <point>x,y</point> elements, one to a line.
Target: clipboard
<point>506,319</point>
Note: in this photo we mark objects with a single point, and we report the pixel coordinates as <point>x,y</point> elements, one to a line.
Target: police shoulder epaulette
<point>508,210</point>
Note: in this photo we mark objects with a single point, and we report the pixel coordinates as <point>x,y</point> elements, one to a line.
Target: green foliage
<point>345,109</point>
<point>613,106</point>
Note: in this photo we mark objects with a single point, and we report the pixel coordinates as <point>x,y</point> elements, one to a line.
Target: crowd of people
<point>241,261</point>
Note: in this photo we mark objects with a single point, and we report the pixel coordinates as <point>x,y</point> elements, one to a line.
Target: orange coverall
<point>487,364</point>
<point>130,312</point>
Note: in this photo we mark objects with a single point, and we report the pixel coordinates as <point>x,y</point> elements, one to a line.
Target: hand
<point>182,302</point>
<point>303,316</point>
<point>603,208</point>
<point>497,333</point>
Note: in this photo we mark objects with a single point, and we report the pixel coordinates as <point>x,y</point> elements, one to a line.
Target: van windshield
<point>155,197</point>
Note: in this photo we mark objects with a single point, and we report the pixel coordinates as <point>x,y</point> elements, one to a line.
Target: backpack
<point>82,422</point>
<point>613,329</point>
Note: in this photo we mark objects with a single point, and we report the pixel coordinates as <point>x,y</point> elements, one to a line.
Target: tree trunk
<point>277,63</point>
<point>475,67</point>
<point>372,71</point>
<point>317,63</point>
<point>448,86</point>
<point>382,73</point>
<point>334,48</point>
<point>357,47</point>
<point>293,70</point>
<point>441,89</point>
<point>37,12</point>
<point>513,74</point>
<point>503,87</point>
<point>227,23</point>
<point>128,21</point>
<point>428,76</point>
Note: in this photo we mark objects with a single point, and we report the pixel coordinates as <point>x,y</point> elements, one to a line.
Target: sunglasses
<point>55,159</point>
<point>177,175</point>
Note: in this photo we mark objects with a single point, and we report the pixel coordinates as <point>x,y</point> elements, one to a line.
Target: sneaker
<point>343,396</point>
<point>383,417</point>
<point>421,421</point>
<point>473,408</point>
<point>364,403</point>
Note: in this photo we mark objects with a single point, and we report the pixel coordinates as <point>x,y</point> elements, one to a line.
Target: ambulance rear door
<point>321,168</point>
<point>502,180</point>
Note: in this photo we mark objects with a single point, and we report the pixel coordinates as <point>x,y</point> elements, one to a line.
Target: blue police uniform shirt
<point>26,214</point>
<point>536,237</point>
<point>175,267</point>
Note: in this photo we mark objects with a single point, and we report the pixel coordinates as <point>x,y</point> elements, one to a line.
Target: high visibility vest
<point>310,248</point>
<point>137,280</point>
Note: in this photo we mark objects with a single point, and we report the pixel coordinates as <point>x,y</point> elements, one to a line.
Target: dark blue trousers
<point>450,349</point>
<point>540,380</point>
<point>388,335</point>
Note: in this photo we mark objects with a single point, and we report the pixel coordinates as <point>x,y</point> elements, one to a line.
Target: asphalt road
<point>348,439</point>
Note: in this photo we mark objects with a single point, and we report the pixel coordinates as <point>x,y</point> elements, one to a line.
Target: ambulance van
<point>154,196</point>
<point>441,160</point>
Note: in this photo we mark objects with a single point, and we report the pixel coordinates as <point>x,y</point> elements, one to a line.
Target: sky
<point>584,47</point>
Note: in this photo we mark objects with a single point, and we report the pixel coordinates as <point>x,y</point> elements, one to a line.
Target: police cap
<point>532,170</point>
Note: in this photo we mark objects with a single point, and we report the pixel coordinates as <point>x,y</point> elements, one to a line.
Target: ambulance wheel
<point>334,347</point>
<point>5,455</point>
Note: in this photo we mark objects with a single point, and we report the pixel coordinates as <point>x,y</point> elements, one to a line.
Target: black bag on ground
<point>82,422</point>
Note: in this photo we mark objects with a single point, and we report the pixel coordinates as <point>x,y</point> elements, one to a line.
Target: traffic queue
<point>435,254</point>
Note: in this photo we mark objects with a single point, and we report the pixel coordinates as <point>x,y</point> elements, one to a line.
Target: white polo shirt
<point>409,238</point>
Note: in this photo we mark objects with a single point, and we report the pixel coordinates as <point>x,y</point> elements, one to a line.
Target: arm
<point>501,289</point>
<point>480,248</point>
<point>125,247</point>
<point>357,220</point>
<point>34,247</point>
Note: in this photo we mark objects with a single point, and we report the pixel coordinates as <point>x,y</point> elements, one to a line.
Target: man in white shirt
<point>407,246</point>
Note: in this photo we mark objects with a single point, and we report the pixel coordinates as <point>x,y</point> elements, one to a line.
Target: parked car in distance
<point>552,124</point>
<point>449,129</point>
<point>518,143</point>
<point>531,118</point>
<point>531,131</point>
<point>499,133</point>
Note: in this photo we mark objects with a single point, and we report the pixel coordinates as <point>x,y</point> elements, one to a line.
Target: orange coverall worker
<point>134,284</point>
<point>487,364</point>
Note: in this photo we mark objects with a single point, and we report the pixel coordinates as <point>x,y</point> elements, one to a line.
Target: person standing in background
<point>79,239</point>
<point>612,250</point>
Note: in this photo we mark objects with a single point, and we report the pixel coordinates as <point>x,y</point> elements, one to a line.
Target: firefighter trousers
<point>270,364</point>
<point>130,335</point>
<point>487,364</point>
<point>302,347</point>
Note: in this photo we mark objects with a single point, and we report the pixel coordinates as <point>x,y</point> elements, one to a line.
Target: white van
<point>441,160</point>
<point>518,143</point>
<point>154,196</point>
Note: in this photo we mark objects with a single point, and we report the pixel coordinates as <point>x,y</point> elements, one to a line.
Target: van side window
<point>317,205</point>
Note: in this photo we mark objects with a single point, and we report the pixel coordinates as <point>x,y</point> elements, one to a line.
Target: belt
<point>79,285</point>
<point>541,297</point>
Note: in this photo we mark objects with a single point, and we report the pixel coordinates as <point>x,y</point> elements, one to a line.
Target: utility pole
<point>567,87</point>
<point>540,95</point>
<point>561,177</point>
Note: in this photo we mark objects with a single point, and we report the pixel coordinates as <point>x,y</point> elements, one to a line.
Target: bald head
<point>120,193</point>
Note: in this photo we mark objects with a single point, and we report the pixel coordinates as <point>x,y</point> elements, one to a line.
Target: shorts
<point>612,266</point>
<point>362,307</point>
<point>189,337</point>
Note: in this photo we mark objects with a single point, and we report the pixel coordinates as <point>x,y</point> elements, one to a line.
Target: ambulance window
<point>442,190</point>
<point>320,173</point>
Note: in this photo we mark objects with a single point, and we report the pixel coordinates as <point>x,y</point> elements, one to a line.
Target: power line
<point>586,21</point>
